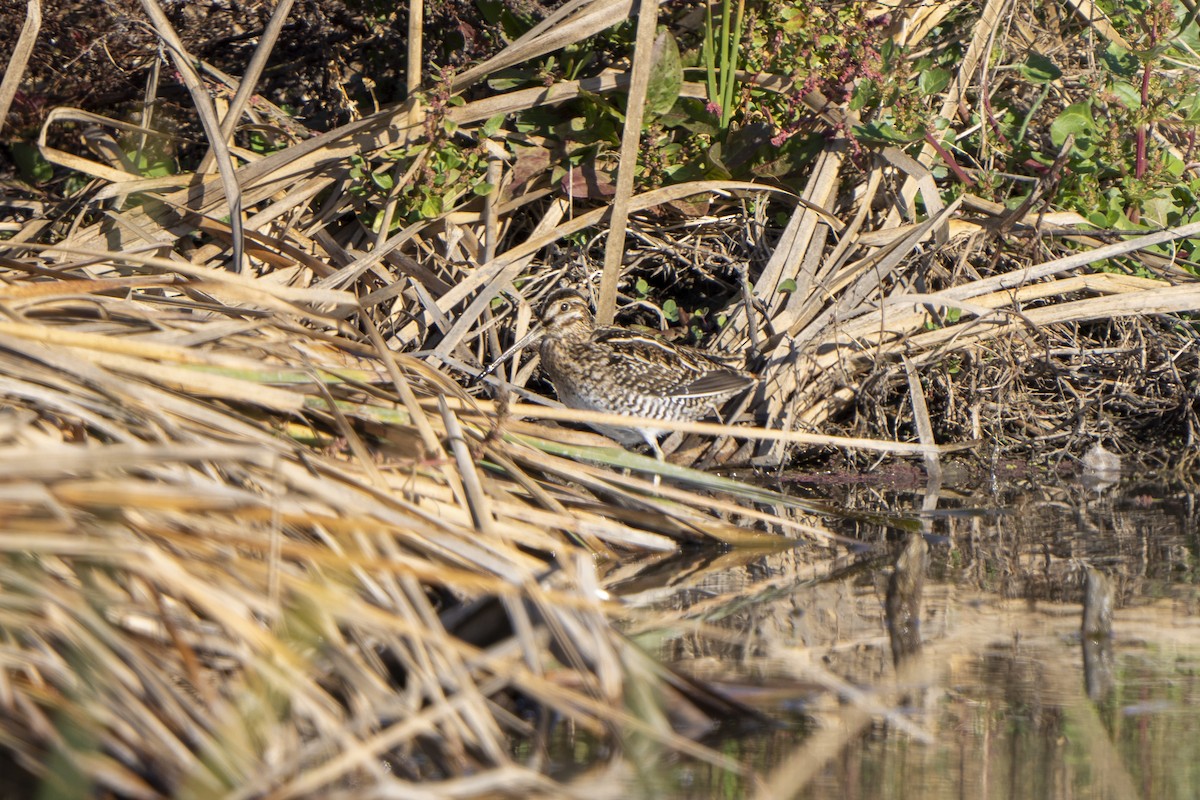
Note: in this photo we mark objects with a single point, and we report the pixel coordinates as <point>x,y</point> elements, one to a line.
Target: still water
<point>954,662</point>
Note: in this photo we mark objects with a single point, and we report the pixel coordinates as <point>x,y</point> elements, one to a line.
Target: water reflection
<point>980,676</point>
<point>1097,636</point>
<point>906,587</point>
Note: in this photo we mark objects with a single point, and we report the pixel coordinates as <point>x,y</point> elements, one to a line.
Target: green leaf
<point>505,84</point>
<point>1120,61</point>
<point>1129,95</point>
<point>888,51</point>
<point>690,114</point>
<point>641,287</point>
<point>483,189</point>
<point>1192,114</point>
<point>787,286</point>
<point>666,75</point>
<point>490,10</point>
<point>713,166</point>
<point>884,133</point>
<point>1039,69</point>
<point>32,166</point>
<point>933,81</point>
<point>1074,119</point>
<point>432,207</point>
<point>866,93</point>
<point>383,180</point>
<point>671,310</point>
<point>492,126</point>
<point>149,165</point>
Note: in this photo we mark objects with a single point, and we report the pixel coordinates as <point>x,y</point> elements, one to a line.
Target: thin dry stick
<point>614,252</point>
<point>1019,277</point>
<point>989,20</point>
<point>208,119</point>
<point>714,428</point>
<point>416,12</point>
<point>249,81</point>
<point>148,104</point>
<point>20,57</point>
<point>916,392</point>
<point>565,26</point>
<point>491,235</point>
<point>475,495</point>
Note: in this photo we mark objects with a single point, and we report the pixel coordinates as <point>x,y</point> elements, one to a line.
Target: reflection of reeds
<point>1000,671</point>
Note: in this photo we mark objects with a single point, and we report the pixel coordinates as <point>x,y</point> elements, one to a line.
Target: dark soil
<point>334,61</point>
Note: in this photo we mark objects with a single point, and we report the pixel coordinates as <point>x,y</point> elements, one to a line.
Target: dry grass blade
<point>572,22</point>
<point>1096,18</point>
<point>20,57</point>
<point>78,163</point>
<point>643,53</point>
<point>249,81</point>
<point>920,409</point>
<point>205,524</point>
<point>208,118</point>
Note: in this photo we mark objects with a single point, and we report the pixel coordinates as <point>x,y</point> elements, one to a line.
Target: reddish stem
<point>1140,164</point>
<point>991,117</point>
<point>963,177</point>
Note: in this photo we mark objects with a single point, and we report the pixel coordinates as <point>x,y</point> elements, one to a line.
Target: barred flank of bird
<point>624,372</point>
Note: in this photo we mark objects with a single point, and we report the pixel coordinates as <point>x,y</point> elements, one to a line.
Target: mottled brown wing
<point>712,384</point>
<point>651,365</point>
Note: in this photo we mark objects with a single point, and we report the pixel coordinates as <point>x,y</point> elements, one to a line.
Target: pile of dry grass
<point>242,482</point>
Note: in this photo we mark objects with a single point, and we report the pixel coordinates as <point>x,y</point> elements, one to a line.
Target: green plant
<point>742,131</point>
<point>30,164</point>
<point>721,53</point>
<point>428,177</point>
<point>1118,180</point>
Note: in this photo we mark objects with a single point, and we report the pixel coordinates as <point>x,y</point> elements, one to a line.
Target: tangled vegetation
<point>254,509</point>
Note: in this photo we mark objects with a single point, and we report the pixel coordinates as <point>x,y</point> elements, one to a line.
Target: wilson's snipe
<point>624,372</point>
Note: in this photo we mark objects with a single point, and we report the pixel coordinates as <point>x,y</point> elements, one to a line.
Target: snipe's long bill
<point>619,371</point>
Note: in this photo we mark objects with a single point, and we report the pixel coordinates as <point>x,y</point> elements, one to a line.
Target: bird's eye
<point>564,307</point>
